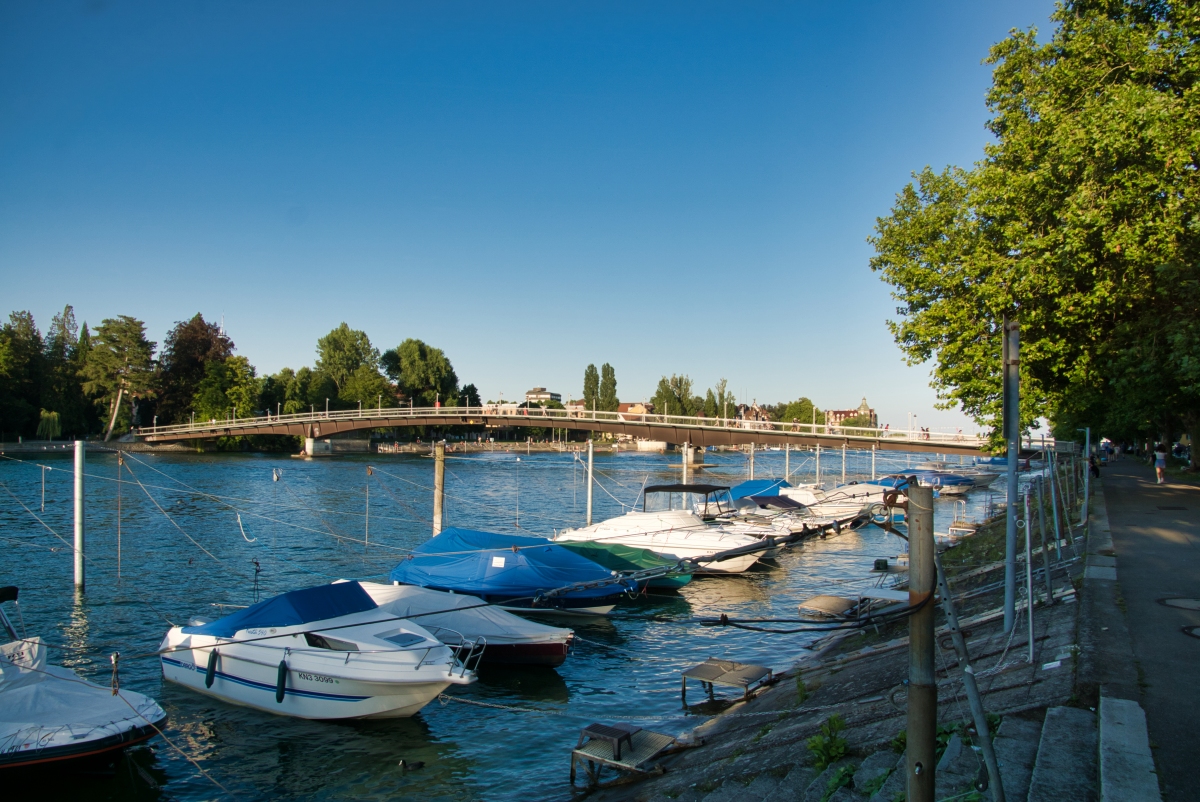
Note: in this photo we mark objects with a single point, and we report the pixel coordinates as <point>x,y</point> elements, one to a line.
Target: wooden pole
<point>79,516</point>
<point>439,485</point>
<point>922,682</point>
<point>591,455</point>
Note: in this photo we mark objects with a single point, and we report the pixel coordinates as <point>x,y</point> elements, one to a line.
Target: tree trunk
<point>1191,425</point>
<point>112,420</point>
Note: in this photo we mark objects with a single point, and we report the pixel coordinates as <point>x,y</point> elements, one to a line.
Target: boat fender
<point>281,682</point>
<point>210,673</point>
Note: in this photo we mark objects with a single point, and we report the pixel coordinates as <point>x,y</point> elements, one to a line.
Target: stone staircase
<point>1072,755</point>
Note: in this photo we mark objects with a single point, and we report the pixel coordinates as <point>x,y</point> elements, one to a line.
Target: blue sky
<point>669,187</point>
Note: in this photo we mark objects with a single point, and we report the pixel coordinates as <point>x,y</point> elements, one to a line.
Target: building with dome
<point>834,417</point>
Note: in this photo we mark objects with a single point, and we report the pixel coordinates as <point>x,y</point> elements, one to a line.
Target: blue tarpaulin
<point>757,487</point>
<point>484,564</point>
<point>289,609</point>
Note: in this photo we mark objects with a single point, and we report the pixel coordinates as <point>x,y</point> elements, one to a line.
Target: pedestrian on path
<point>1160,463</point>
<point>1094,466</point>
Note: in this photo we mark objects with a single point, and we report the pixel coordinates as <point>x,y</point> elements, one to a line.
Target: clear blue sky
<point>669,187</point>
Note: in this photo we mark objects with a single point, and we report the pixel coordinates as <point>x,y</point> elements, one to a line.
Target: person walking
<point>1160,463</point>
<point>1094,466</point>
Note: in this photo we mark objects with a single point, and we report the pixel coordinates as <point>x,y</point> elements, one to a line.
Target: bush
<point>828,746</point>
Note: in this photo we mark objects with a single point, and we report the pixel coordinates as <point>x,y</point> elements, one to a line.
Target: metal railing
<point>546,417</point>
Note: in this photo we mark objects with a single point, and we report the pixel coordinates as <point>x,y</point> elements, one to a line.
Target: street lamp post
<point>327,407</point>
<point>381,402</point>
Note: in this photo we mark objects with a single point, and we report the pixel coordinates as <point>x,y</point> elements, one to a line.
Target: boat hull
<point>306,695</point>
<point>526,654</point>
<point>81,753</point>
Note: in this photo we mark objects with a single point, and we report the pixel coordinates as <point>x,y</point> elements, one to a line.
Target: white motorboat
<point>456,618</point>
<point>979,476</point>
<point>842,502</point>
<point>50,715</point>
<point>326,652</point>
<point>678,531</point>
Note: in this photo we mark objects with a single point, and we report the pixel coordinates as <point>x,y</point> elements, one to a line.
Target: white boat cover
<point>469,616</point>
<point>43,707</point>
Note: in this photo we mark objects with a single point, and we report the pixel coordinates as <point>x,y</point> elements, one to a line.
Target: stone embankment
<point>832,728</point>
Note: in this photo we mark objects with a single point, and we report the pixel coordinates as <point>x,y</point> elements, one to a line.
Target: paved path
<point>1156,536</point>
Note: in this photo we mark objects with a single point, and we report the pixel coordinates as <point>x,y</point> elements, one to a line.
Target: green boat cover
<point>619,557</point>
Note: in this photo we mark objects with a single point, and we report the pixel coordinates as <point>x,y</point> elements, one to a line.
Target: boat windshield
<point>707,501</point>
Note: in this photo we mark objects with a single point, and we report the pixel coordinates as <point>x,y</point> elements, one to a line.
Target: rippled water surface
<point>182,549</point>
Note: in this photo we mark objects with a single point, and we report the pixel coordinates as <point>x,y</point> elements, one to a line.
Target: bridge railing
<point>547,417</point>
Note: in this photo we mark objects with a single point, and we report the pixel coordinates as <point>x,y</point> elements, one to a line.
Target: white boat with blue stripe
<point>327,652</point>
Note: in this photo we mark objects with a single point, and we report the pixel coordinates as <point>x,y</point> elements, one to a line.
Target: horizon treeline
<point>77,381</point>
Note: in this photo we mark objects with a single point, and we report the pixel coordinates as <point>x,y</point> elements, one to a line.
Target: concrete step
<point>1126,764</point>
<point>957,770</point>
<point>1067,758</point>
<point>820,785</point>
<point>1016,746</point>
<point>761,786</point>
<point>792,786</point>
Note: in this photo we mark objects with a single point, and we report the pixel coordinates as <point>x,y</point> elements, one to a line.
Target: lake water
<point>182,550</point>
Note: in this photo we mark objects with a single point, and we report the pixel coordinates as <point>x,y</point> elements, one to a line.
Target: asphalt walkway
<point>1156,536</point>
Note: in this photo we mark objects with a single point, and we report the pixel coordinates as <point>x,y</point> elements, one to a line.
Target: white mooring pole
<point>439,485</point>
<point>79,516</point>
<point>752,460</point>
<point>872,462</point>
<point>787,461</point>
<point>818,480</point>
<point>589,484</point>
<point>687,455</point>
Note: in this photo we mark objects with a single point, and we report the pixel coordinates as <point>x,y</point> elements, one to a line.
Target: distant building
<point>540,395</point>
<point>834,417</point>
<point>637,408</point>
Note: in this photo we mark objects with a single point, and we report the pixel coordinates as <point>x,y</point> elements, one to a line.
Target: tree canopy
<point>1079,222</point>
<point>187,350</point>
<point>422,373</point>
<point>341,352</point>
<point>119,363</point>
<point>591,387</point>
<point>607,394</point>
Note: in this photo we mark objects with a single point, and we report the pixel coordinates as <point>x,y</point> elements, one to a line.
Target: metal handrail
<point>525,416</point>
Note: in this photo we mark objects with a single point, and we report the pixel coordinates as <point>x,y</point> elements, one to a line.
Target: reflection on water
<point>309,527</point>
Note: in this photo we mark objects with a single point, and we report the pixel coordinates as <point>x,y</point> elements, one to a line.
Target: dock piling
<point>752,460</point>
<point>922,681</point>
<point>787,461</point>
<point>439,485</point>
<point>79,516</point>
<point>589,482</point>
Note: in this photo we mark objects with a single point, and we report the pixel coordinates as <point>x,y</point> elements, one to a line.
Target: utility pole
<point>79,516</point>
<point>589,483</point>
<point>1012,433</point>
<point>922,681</point>
<point>439,485</point>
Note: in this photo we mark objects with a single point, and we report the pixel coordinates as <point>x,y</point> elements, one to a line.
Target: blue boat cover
<point>289,609</point>
<point>758,487</point>
<point>484,564</point>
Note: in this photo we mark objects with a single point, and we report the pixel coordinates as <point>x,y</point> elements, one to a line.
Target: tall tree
<point>608,400</point>
<point>1079,221</point>
<point>591,387</point>
<point>422,373</point>
<point>801,410</point>
<point>21,373</point>
<point>365,385</point>
<point>119,363</point>
<point>470,396</point>
<point>341,352</point>
<point>230,388</point>
<point>187,350</point>
<point>62,387</point>
<point>674,396</point>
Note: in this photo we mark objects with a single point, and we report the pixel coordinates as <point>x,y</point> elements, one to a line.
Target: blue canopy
<point>757,487</point>
<point>289,609</point>
<point>485,564</point>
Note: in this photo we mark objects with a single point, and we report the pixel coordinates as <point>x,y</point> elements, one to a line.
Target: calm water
<point>316,524</point>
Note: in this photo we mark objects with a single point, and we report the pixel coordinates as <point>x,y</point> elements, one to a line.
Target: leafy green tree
<point>119,363</point>
<point>49,426</point>
<point>591,387</point>
<point>366,385</point>
<point>21,368</point>
<point>608,400</point>
<point>674,396</point>
<point>62,387</point>
<point>800,411</point>
<point>229,388</point>
<point>1078,221</point>
<point>470,396</point>
<point>422,373</point>
<point>188,348</point>
<point>341,352</point>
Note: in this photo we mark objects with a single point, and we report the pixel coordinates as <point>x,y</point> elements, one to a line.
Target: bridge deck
<point>667,428</point>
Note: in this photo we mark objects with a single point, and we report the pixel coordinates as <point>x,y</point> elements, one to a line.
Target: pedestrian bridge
<point>676,429</point>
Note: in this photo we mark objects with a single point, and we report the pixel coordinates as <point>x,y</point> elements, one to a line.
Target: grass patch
<point>762,732</point>
<point>870,789</point>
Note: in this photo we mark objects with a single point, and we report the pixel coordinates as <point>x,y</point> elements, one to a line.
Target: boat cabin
<point>707,501</point>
